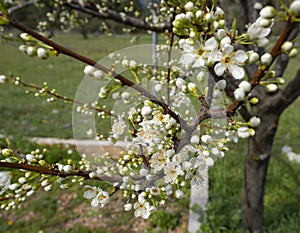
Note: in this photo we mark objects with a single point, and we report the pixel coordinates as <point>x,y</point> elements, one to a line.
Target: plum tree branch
<point>117,17</point>
<point>124,81</point>
<point>275,52</point>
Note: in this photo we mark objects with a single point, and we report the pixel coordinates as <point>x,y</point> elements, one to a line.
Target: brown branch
<point>124,81</point>
<point>275,52</point>
<point>21,6</point>
<point>67,99</point>
<point>117,17</point>
<point>55,172</point>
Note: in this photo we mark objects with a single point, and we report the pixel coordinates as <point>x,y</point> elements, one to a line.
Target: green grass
<point>32,116</point>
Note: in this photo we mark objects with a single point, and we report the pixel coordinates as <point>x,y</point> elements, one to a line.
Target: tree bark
<point>255,172</point>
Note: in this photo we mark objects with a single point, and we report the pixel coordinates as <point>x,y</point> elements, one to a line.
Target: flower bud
<point>125,95</point>
<point>7,152</point>
<point>42,53</point>
<point>25,36</point>
<point>133,65</point>
<point>254,121</point>
<point>295,8</point>
<point>268,12</point>
<point>192,87</point>
<point>293,53</point>
<point>179,194</point>
<point>31,51</point>
<point>265,23</point>
<point>128,207</point>
<point>254,100</point>
<point>88,70</point>
<point>245,85</point>
<point>23,48</point>
<point>280,80</point>
<point>98,74</point>
<point>199,14</point>
<point>146,111</point>
<point>286,47</point>
<point>180,83</point>
<point>253,57</point>
<point>206,139</point>
<point>125,63</point>
<point>239,94</point>
<point>144,172</point>
<point>243,132</point>
<point>221,84</point>
<point>271,87</point>
<point>189,6</point>
<point>266,59</point>
<point>195,139</point>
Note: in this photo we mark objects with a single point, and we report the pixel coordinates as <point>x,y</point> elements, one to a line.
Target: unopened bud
<point>7,152</point>
<point>286,47</point>
<point>271,87</point>
<point>295,8</point>
<point>268,12</point>
<point>239,94</point>
<point>293,53</point>
<point>266,59</point>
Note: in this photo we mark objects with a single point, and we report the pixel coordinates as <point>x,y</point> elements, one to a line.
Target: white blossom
<point>239,94</point>
<point>254,121</point>
<point>243,132</point>
<point>267,12</point>
<point>4,181</point>
<point>172,172</point>
<point>189,6</point>
<point>271,87</point>
<point>286,46</point>
<point>245,85</point>
<point>231,61</point>
<point>266,59</point>
<point>195,139</point>
<point>179,194</point>
<point>42,53</point>
<point>128,207</point>
<point>2,78</point>
<point>142,208</point>
<point>295,8</point>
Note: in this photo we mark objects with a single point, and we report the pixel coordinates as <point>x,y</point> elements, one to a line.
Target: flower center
<point>200,52</point>
<point>227,60</point>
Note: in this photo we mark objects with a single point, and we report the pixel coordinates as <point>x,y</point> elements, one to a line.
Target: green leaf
<point>3,20</point>
<point>3,9</point>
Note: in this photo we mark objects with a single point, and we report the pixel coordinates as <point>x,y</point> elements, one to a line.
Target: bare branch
<point>21,6</point>
<point>124,19</point>
<point>126,82</point>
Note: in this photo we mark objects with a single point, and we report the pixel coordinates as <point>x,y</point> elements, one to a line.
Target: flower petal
<point>219,69</point>
<point>227,49</point>
<point>211,44</point>
<point>240,57</point>
<point>199,63</point>
<point>236,71</point>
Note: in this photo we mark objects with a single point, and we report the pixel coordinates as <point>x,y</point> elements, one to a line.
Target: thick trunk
<point>255,171</point>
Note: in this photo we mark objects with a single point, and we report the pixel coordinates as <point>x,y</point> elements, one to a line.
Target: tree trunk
<point>255,172</point>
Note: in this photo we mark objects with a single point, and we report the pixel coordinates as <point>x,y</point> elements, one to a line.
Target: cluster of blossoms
<point>35,48</point>
<point>179,127</point>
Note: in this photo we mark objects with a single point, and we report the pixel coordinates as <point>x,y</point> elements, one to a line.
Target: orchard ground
<point>23,116</point>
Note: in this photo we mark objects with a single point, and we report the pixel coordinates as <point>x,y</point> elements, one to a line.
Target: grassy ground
<point>26,115</point>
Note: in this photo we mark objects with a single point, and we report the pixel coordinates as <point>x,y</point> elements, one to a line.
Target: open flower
<point>4,181</point>
<point>142,208</point>
<point>97,195</point>
<point>231,61</point>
